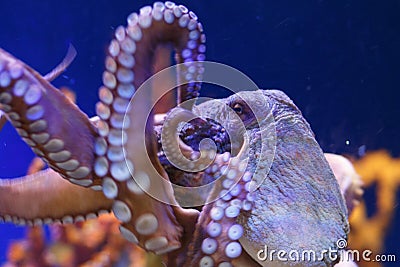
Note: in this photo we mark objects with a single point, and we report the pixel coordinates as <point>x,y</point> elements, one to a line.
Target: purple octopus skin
<point>297,204</point>
<point>49,123</point>
<point>196,130</point>
<point>191,134</point>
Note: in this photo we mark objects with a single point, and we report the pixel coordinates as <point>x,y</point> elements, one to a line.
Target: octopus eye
<point>241,108</point>
<point>238,108</point>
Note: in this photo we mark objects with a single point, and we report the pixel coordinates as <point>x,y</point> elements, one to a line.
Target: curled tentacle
<point>127,131</point>
<point>170,141</point>
<point>60,68</point>
<point>190,137</point>
<point>295,189</point>
<point>216,239</point>
<point>47,121</point>
<point>45,197</point>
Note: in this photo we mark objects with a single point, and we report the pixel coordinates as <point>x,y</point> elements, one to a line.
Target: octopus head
<point>298,206</point>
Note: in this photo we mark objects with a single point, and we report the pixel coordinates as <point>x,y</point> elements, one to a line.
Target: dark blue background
<point>338,60</point>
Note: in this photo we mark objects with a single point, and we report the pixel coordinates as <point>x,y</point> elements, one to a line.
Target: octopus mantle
<point>274,188</point>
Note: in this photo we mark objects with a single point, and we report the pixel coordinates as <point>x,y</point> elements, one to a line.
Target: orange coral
<point>369,232</point>
<point>95,242</point>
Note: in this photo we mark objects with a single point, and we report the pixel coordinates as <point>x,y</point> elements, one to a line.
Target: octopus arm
<point>54,127</point>
<point>132,176</point>
<point>45,197</point>
<point>216,240</point>
<point>60,68</point>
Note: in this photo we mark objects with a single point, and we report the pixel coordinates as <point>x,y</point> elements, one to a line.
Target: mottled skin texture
<point>299,193</point>
<point>298,205</point>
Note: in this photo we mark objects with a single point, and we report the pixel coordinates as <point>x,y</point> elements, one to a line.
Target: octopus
<point>174,195</point>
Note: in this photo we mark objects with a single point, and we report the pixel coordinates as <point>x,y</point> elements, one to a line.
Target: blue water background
<point>338,60</point>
